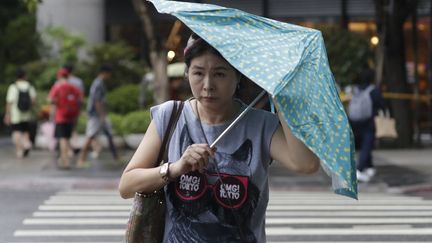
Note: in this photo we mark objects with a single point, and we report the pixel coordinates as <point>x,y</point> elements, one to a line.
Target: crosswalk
<point>101,216</point>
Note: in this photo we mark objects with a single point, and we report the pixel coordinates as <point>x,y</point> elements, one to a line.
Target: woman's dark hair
<point>195,47</point>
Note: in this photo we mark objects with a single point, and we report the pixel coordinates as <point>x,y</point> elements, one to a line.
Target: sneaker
<point>362,176</point>
<point>370,172</point>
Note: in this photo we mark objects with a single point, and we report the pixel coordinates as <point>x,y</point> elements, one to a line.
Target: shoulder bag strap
<point>175,114</point>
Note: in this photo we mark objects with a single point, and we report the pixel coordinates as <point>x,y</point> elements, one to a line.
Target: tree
<point>18,36</point>
<point>390,17</point>
<point>157,51</point>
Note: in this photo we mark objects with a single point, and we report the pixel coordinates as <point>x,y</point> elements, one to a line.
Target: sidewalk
<point>398,171</point>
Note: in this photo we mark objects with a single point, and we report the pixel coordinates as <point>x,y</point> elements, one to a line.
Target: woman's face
<point>213,81</point>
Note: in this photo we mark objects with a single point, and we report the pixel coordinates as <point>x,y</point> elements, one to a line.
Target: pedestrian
<point>198,210</point>
<point>20,100</point>
<point>74,80</point>
<point>365,101</point>
<point>66,99</point>
<point>98,120</point>
<point>78,82</point>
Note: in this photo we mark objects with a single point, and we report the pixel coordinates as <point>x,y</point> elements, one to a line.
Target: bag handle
<point>175,114</point>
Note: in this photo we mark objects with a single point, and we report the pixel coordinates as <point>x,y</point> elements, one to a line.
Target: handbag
<point>146,222</point>
<point>385,126</point>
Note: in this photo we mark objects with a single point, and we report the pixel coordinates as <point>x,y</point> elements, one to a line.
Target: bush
<point>136,122</point>
<point>3,92</point>
<point>116,121</point>
<point>122,58</point>
<point>81,124</point>
<point>124,99</point>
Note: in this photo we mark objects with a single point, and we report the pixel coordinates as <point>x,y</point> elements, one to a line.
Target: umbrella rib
<point>238,118</point>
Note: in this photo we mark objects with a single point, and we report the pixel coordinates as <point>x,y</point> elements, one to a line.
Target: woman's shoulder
<point>162,110</point>
<point>165,106</point>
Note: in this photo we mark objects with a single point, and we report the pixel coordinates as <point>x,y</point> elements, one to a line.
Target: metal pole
<point>238,118</point>
<point>416,83</point>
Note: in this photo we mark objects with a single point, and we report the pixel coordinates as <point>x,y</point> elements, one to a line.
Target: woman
<point>199,207</point>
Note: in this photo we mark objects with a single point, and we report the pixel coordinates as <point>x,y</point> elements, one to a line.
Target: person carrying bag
<point>147,218</point>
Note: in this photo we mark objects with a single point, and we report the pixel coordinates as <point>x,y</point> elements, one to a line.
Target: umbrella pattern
<point>289,62</point>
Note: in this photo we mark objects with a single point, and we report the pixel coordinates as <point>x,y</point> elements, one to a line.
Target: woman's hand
<point>195,158</point>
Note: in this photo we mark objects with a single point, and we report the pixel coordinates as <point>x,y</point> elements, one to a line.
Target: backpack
<point>69,100</point>
<point>24,99</point>
<point>361,106</point>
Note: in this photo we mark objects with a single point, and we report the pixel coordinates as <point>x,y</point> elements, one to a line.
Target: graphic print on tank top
<point>206,210</point>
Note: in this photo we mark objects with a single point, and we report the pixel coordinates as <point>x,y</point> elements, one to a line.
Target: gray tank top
<point>201,208</point>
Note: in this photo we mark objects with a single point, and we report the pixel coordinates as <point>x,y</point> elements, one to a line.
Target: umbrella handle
<point>238,118</point>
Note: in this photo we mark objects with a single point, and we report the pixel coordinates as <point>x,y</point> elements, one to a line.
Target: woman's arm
<point>292,152</point>
<point>141,175</point>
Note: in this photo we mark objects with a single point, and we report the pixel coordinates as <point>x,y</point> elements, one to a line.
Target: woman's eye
<point>220,75</point>
<point>197,73</point>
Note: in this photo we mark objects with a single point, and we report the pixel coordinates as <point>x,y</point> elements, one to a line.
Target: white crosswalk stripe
<point>101,216</point>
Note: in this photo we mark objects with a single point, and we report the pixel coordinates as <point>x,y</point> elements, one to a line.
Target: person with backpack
<point>66,99</point>
<point>366,100</point>
<point>20,99</point>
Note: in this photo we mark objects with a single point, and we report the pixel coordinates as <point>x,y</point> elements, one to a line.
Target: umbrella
<point>290,63</point>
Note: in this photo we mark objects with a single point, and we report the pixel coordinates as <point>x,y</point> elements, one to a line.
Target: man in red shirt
<point>66,99</point>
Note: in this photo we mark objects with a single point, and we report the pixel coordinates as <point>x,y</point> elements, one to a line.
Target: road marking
<point>82,214</point>
<point>374,216</point>
<point>87,202</point>
<point>269,221</point>
<point>346,213</point>
<point>344,241</point>
<point>360,220</point>
<point>76,221</point>
<point>79,232</point>
<point>275,231</point>
<point>363,202</point>
<point>90,192</point>
<point>348,207</point>
<point>80,208</point>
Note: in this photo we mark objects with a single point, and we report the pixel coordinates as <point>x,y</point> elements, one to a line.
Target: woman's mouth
<point>208,98</point>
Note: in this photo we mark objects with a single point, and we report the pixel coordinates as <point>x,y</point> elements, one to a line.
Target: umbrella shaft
<point>252,104</point>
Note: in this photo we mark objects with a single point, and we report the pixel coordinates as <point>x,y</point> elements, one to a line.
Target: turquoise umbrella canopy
<point>290,63</point>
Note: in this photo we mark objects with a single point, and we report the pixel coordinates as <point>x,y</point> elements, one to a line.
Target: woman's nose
<point>208,84</point>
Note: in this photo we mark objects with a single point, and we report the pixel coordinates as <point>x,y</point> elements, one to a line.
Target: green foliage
<point>42,73</point>
<point>116,121</point>
<point>348,53</point>
<point>31,5</point>
<point>81,124</point>
<point>120,56</point>
<point>124,99</point>
<point>18,38</point>
<point>68,43</point>
<point>136,122</point>
<point>3,91</point>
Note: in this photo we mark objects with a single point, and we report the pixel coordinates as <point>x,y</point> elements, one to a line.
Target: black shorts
<point>63,130</point>
<point>21,127</point>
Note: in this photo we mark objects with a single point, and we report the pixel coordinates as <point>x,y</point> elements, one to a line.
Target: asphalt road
<point>40,203</point>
